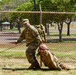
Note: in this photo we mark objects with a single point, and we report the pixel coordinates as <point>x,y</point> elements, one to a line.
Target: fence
<point>60,31</point>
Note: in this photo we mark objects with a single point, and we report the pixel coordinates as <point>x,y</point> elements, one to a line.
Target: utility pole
<point>40,14</point>
<point>34,10</point>
<point>0,19</point>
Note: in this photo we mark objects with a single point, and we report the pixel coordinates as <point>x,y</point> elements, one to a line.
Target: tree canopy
<point>48,5</point>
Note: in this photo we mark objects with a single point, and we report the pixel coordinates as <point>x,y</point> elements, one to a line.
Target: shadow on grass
<point>64,40</point>
<point>14,69</point>
<point>20,69</point>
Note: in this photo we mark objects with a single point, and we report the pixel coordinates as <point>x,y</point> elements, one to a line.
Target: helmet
<point>25,20</point>
<point>43,47</point>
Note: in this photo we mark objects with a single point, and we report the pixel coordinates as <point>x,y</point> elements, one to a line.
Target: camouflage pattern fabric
<point>30,52</point>
<point>33,40</point>
<point>30,34</point>
<point>41,31</point>
<point>51,61</point>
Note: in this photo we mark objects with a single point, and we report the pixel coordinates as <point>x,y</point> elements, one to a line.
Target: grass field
<point>13,60</point>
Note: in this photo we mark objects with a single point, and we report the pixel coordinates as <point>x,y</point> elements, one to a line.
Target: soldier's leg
<point>32,60</point>
<point>66,67</point>
<point>30,54</point>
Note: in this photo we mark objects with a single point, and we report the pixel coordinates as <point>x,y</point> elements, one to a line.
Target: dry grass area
<point>14,62</point>
<point>17,66</point>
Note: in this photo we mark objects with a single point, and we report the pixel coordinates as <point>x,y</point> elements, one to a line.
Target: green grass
<point>66,51</point>
<point>64,55</point>
<point>31,72</point>
<point>12,54</point>
<point>22,54</point>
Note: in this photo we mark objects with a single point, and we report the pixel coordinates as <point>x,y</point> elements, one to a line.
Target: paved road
<point>6,38</point>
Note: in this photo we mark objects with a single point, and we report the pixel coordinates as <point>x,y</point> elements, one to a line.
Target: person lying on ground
<point>50,60</point>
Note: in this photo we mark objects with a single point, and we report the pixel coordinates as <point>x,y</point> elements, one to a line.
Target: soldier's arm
<point>21,37</point>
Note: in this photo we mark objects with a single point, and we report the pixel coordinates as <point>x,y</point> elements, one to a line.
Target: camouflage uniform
<point>33,40</point>
<point>50,60</point>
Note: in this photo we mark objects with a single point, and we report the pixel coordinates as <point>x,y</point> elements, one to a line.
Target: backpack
<point>41,31</point>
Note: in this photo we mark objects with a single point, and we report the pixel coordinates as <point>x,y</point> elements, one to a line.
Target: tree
<point>68,21</point>
<point>50,5</point>
<point>11,4</point>
<point>61,6</point>
<point>25,7</point>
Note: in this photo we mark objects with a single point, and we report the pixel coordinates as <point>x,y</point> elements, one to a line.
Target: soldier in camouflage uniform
<point>50,60</point>
<point>33,40</point>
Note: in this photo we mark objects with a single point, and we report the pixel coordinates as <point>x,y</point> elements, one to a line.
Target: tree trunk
<point>47,29</point>
<point>60,36</point>
<point>19,27</point>
<point>11,25</point>
<point>68,29</point>
<point>60,27</point>
<point>0,27</point>
<point>18,22</point>
<point>68,21</point>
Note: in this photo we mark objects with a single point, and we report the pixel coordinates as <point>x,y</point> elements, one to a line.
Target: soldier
<point>50,60</point>
<point>33,40</point>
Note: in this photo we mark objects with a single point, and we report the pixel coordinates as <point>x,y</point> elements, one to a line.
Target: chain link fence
<point>60,29</point>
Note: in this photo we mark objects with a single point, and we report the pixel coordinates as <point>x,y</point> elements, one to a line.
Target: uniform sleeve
<point>22,37</point>
<point>36,35</point>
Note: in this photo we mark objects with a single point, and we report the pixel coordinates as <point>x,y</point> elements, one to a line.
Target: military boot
<point>66,67</point>
<point>59,68</point>
<point>37,67</point>
<point>31,67</point>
